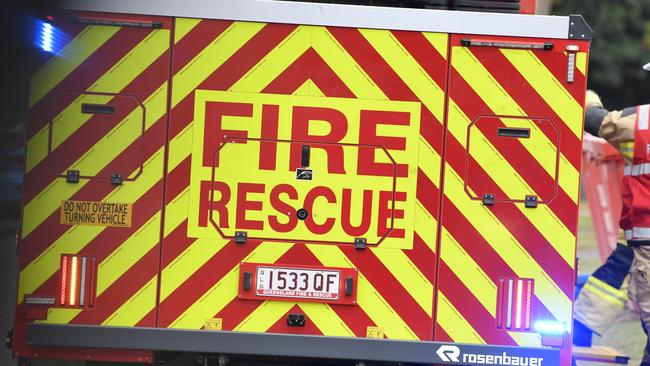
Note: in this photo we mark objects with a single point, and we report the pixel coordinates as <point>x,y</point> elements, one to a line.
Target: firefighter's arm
<point>614,126</point>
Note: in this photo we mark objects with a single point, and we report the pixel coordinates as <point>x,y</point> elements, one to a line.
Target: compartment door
<point>514,131</point>
<point>94,171</point>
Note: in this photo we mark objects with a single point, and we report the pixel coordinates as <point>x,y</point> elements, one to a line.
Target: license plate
<point>307,284</point>
<point>298,283</point>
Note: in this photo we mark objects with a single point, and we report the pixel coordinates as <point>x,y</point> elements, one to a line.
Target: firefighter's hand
<point>594,112</point>
<point>592,100</point>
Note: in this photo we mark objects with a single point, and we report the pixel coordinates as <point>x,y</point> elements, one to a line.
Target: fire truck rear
<point>332,182</point>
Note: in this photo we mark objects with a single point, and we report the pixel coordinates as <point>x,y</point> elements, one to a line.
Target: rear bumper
<point>283,345</point>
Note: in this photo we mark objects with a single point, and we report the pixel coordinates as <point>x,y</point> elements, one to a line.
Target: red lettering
<point>387,213</point>
<point>346,208</point>
<point>302,116</point>
<point>268,149</point>
<point>213,135</point>
<point>208,202</point>
<point>316,192</point>
<point>283,208</point>
<point>368,136</point>
<point>243,205</point>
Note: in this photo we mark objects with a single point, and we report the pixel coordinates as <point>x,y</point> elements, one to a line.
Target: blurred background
<point>620,47</point>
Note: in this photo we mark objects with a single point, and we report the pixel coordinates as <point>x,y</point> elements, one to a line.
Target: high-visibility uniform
<point>635,216</point>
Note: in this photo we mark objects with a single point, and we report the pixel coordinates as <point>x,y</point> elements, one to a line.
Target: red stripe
<point>441,335</point>
<point>230,71</point>
<point>471,309</point>
<point>373,64</point>
<point>202,280</point>
<point>431,130</point>
<point>422,256</point>
<point>50,230</point>
<point>197,39</point>
<point>428,194</point>
<point>530,100</point>
<point>83,77</point>
<point>425,54</point>
<point>391,290</point>
<point>514,221</point>
<point>523,162</point>
<point>98,126</point>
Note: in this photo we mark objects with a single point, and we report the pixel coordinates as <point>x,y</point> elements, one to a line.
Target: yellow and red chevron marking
<point>110,65</point>
<point>200,276</point>
<point>479,244</point>
<point>184,281</point>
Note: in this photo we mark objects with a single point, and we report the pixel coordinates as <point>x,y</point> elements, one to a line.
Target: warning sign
<point>96,213</point>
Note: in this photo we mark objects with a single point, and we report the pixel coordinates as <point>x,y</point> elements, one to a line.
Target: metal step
<point>601,354</point>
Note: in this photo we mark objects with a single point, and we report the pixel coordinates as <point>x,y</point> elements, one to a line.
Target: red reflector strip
<point>92,281</point>
<point>529,296</point>
<point>500,304</point>
<point>518,309</point>
<point>74,277</point>
<point>64,279</point>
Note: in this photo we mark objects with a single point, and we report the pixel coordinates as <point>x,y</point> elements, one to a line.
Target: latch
<point>349,286</point>
<point>488,199</point>
<point>360,243</point>
<point>116,179</point>
<point>72,176</point>
<point>304,158</point>
<point>247,281</point>
<point>296,320</point>
<point>241,237</point>
<point>531,201</point>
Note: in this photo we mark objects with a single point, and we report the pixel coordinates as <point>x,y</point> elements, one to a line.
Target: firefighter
<point>629,131</point>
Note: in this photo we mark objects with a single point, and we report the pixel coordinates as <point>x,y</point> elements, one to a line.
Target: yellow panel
<point>71,56</point>
<point>581,62</point>
<point>426,226</point>
<point>440,41</point>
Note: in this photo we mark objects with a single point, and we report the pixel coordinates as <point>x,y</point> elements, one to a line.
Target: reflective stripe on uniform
<point>637,169</point>
<point>598,304</point>
<point>643,116</point>
<point>637,233</point>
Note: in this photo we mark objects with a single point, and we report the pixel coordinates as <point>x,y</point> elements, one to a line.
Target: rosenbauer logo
<point>453,354</point>
<point>348,165</point>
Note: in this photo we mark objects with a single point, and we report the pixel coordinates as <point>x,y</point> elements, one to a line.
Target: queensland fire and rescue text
<point>362,159</point>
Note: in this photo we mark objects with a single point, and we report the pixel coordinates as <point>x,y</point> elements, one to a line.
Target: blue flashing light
<point>47,35</point>
<point>549,327</point>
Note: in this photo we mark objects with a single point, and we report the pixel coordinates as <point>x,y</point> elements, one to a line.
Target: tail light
<point>78,280</point>
<point>514,303</point>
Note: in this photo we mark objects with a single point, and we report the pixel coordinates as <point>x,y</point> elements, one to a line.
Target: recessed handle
<point>87,108</point>
<point>304,158</point>
<point>520,133</point>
